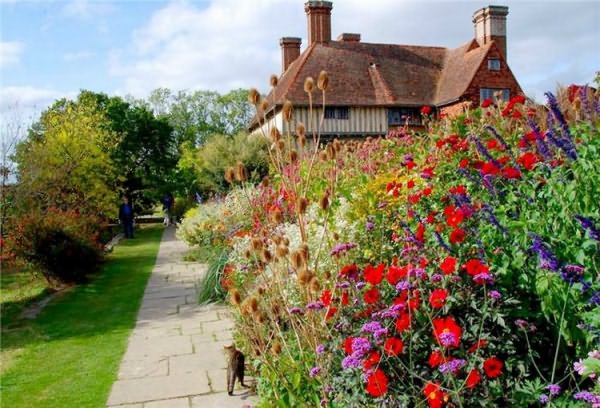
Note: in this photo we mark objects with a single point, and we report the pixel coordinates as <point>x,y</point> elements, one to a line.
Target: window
<point>337,112</point>
<point>494,64</point>
<point>491,93</point>
<point>401,116</point>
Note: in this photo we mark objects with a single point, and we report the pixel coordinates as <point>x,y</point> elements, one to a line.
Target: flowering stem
<point>560,323</point>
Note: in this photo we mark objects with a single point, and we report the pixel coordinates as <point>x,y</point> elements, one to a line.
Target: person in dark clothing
<point>168,203</point>
<point>126,217</point>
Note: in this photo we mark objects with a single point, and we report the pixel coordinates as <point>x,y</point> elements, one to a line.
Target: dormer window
<point>494,64</point>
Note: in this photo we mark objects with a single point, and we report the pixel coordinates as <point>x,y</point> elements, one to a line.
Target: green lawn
<point>69,355</point>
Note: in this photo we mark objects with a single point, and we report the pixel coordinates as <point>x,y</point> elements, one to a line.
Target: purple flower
<point>555,109</point>
<point>492,218</point>
<point>554,389</point>
<point>495,295</point>
<point>539,140</point>
<point>484,151</point>
<point>370,226</point>
<point>371,327</point>
<point>318,305</point>
<point>323,402</point>
<point>320,349</point>
<point>360,345</point>
<point>583,94</point>
<point>595,299</point>
<point>403,285</point>
<point>360,285</point>
<point>343,247</point>
<point>588,224</point>
<point>447,339</point>
<point>587,397</point>
<point>484,278</point>
<point>579,367</point>
<point>436,278</point>
<point>544,399</point>
<point>441,242</point>
<point>351,361</point>
<point>378,334</point>
<point>452,366</point>
<point>314,371</point>
<point>491,130</point>
<point>381,205</point>
<point>342,285</point>
<point>546,258</point>
<point>296,310</point>
<point>522,324</point>
<point>572,273</point>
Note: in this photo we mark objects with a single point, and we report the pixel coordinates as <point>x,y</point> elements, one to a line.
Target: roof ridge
<point>380,84</point>
<point>301,61</point>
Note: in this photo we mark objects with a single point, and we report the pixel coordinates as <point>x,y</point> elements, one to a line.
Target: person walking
<point>168,202</point>
<point>126,217</point>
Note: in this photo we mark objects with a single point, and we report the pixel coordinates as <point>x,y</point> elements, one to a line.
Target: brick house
<point>374,87</point>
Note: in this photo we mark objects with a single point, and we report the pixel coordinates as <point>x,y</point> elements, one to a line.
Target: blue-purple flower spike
<point>491,130</point>
<point>546,258</point>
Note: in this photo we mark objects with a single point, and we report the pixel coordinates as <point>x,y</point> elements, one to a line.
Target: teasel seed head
<point>235,297</point>
<point>336,236</point>
<point>277,216</point>
<point>296,260</point>
<point>257,244</point>
<point>330,152</point>
<point>248,254</point>
<point>304,277</point>
<point>253,96</point>
<point>305,252</point>
<point>314,285</point>
<point>261,290</point>
<point>323,82</point>
<point>288,111</point>
<point>265,181</point>
<point>302,141</point>
<point>337,145</point>
<point>240,172</point>
<point>293,156</point>
<point>230,175</point>
<point>274,80</point>
<point>309,85</point>
<point>280,145</point>
<point>264,105</point>
<point>275,134</point>
<point>323,155</point>
<point>324,201</point>
<point>286,241</point>
<point>302,205</point>
<point>276,239</point>
<point>276,347</point>
<point>258,317</point>
<point>281,251</point>
<point>300,130</point>
<point>266,256</point>
<point>327,275</point>
<point>253,303</point>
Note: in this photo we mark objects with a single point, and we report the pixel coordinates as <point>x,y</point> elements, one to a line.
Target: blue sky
<point>51,49</point>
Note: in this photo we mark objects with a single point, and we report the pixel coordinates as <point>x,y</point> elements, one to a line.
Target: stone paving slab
<point>175,356</point>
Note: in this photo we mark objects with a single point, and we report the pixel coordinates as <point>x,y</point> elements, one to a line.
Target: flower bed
<point>457,267</point>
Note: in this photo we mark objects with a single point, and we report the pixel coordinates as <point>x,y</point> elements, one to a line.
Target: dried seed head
<point>248,254</point>
<point>330,152</point>
<point>264,105</point>
<point>253,304</point>
<point>323,82</point>
<point>257,244</point>
<point>235,297</point>
<point>324,202</point>
<point>253,96</point>
<point>301,205</point>
<point>286,241</point>
<point>323,155</point>
<point>276,239</point>
<point>293,156</point>
<point>336,236</point>
<point>280,145</point>
<point>302,140</point>
<point>309,85</point>
<point>337,145</point>
<point>259,317</point>
<point>327,275</point>
<point>304,277</point>
<point>266,256</point>
<point>261,290</point>
<point>274,80</point>
<point>230,175</point>
<point>276,347</point>
<point>281,251</point>
<point>275,309</point>
<point>297,260</point>
<point>300,130</point>
<point>314,284</point>
<point>265,181</point>
<point>578,103</point>
<point>305,252</point>
<point>277,216</point>
<point>288,111</point>
<point>275,134</point>
<point>240,172</point>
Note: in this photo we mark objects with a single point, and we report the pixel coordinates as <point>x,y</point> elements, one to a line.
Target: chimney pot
<point>349,37</point>
<point>319,21</point>
<point>290,51</point>
<point>490,25</point>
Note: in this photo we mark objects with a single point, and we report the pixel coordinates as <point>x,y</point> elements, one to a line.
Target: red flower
<point>410,184</point>
<point>479,344</point>
<point>460,189</point>
<point>371,296</point>
<point>473,378</point>
<point>454,216</point>
<point>457,236</point>
<point>435,396</point>
<point>516,100</point>
<point>438,298</point>
<point>493,367</point>
<point>475,267</point>
<point>492,144</point>
<point>511,173</point>
<point>403,323</point>
<point>517,114</point>
<point>345,299</point>
<point>372,360</point>
<point>449,265</point>
<point>374,274</point>
<point>426,110</point>
<point>490,168</point>
<point>449,331</point>
<point>463,163</point>
<point>393,346</point>
<point>348,345</point>
<point>326,297</point>
<point>330,312</point>
<point>377,384</point>
<point>528,160</point>
<point>395,273</point>
<point>420,232</point>
<point>486,102</point>
<point>435,359</point>
<point>427,191</point>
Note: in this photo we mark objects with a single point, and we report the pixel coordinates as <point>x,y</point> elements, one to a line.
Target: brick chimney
<point>290,51</point>
<point>490,24</point>
<point>319,21</point>
<point>349,37</point>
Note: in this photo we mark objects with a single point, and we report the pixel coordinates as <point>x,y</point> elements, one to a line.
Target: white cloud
<point>10,52</point>
<point>28,98</point>
<point>222,44</point>
<point>86,9</point>
<point>78,56</point>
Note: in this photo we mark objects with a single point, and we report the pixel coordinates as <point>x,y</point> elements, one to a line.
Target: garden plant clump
<point>456,266</point>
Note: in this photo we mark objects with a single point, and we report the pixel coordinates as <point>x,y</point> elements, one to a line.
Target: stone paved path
<point>175,354</point>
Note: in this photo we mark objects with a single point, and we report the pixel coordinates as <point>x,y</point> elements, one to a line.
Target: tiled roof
<point>366,74</point>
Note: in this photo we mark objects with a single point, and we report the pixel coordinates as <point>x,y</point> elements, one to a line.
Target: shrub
<point>62,244</point>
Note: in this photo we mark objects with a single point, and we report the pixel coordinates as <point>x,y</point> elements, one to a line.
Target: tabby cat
<point>235,367</point>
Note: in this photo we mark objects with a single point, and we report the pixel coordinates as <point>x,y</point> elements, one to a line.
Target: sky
<point>52,49</point>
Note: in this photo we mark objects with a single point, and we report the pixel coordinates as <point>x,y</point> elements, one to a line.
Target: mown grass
<point>69,355</point>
